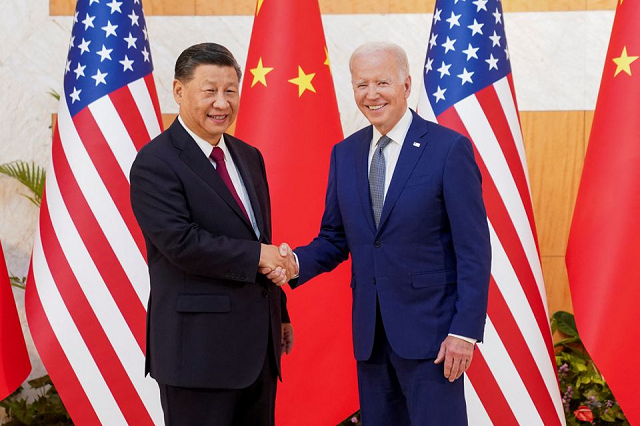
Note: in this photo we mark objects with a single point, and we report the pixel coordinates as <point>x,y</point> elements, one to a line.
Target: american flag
<point>468,87</point>
<point>88,283</point>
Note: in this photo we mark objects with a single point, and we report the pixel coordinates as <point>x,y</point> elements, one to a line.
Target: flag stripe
<point>507,376</point>
<point>99,265</point>
<point>510,111</point>
<point>89,377</point>
<point>516,305</point>
<point>520,354</point>
<point>94,248</point>
<point>472,115</point>
<point>88,325</point>
<point>499,216</point>
<point>142,96</point>
<point>488,100</point>
<point>101,277</point>
<point>117,184</point>
<point>489,392</point>
<point>101,204</point>
<point>113,135</point>
<point>129,120</point>
<point>475,409</point>
<point>64,376</point>
<point>507,234</point>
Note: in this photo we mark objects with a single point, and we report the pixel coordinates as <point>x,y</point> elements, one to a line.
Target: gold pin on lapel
<point>416,144</point>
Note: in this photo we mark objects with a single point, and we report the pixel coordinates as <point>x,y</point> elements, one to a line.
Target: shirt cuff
<point>297,264</point>
<point>466,339</point>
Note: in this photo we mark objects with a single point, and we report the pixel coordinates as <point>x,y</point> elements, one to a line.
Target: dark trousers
<point>398,391</point>
<point>251,406</point>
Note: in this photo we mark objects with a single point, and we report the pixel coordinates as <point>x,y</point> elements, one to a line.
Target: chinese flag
<point>14,359</point>
<point>604,242</point>
<point>289,111</point>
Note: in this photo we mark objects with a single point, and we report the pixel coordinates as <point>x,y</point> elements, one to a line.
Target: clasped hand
<point>277,263</point>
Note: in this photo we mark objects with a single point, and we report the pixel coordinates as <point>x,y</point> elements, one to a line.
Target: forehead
<point>374,65</point>
<point>208,73</point>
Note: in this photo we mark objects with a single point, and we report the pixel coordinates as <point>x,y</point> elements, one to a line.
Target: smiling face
<point>209,100</point>
<point>380,88</point>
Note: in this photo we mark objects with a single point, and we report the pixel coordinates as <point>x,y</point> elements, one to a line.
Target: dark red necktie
<point>217,155</point>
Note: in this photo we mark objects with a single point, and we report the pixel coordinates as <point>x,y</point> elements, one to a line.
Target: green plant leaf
<point>54,94</point>
<point>30,175</point>
<point>40,382</point>
<point>20,283</point>
<point>565,342</point>
<point>566,323</point>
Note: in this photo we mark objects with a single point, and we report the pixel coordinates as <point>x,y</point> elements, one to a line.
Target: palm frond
<point>30,175</point>
<point>54,94</point>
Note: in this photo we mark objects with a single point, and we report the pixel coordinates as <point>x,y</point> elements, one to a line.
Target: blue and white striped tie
<point>377,172</point>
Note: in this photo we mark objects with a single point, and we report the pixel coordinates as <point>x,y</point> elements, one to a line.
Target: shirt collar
<point>205,146</point>
<point>399,131</point>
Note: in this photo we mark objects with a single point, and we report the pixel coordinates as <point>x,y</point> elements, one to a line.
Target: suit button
<point>377,244</point>
<point>265,293</point>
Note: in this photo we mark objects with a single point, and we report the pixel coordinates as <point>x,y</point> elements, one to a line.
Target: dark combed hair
<point>204,54</point>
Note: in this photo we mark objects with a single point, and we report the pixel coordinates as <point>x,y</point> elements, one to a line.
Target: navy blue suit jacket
<point>209,310</point>
<point>429,261</point>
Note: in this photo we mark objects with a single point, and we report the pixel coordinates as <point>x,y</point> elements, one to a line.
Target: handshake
<point>277,263</point>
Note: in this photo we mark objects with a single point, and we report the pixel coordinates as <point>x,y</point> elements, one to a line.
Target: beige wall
<point>247,7</point>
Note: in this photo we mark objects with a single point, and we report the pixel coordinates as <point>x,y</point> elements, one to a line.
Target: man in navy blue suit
<point>404,198</point>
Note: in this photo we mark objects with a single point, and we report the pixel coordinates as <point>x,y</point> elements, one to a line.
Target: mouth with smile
<point>375,107</point>
<point>219,118</point>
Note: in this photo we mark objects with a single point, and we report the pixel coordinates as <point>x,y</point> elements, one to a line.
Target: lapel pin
<point>416,144</point>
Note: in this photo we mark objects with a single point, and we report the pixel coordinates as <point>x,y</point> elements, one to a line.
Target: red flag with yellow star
<point>289,111</point>
<point>604,242</point>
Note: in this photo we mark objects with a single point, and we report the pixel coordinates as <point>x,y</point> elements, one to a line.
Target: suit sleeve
<point>283,308</point>
<point>159,203</point>
<point>470,233</point>
<point>330,247</point>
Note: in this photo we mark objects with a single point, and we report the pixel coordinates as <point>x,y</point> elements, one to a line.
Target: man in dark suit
<point>404,198</point>
<point>215,327</point>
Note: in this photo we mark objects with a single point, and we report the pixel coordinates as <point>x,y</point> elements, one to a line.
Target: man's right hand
<point>277,263</point>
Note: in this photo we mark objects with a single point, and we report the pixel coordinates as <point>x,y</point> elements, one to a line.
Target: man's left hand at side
<point>456,354</point>
<point>287,338</point>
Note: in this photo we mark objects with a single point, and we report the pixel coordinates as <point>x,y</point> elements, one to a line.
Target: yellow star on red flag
<point>303,81</point>
<point>327,62</point>
<point>260,73</point>
<point>259,6</point>
<point>623,62</point>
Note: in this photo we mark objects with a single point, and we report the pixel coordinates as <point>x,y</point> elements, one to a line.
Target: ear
<point>407,87</point>
<point>178,91</point>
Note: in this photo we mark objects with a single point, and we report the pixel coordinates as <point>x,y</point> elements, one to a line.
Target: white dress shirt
<point>236,179</point>
<point>392,150</point>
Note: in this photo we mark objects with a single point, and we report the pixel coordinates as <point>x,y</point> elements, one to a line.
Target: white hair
<point>383,46</point>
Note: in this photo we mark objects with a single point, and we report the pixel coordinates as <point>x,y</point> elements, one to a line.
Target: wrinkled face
<point>209,101</point>
<point>379,89</point>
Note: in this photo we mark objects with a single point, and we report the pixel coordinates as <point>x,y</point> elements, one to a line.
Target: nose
<point>371,92</point>
<point>220,101</point>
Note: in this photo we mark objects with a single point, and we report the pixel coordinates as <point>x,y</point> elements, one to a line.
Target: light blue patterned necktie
<point>377,172</point>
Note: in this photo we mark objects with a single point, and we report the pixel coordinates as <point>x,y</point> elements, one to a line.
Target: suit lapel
<point>245,173</point>
<point>412,148</point>
<point>193,157</point>
<point>362,175</point>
